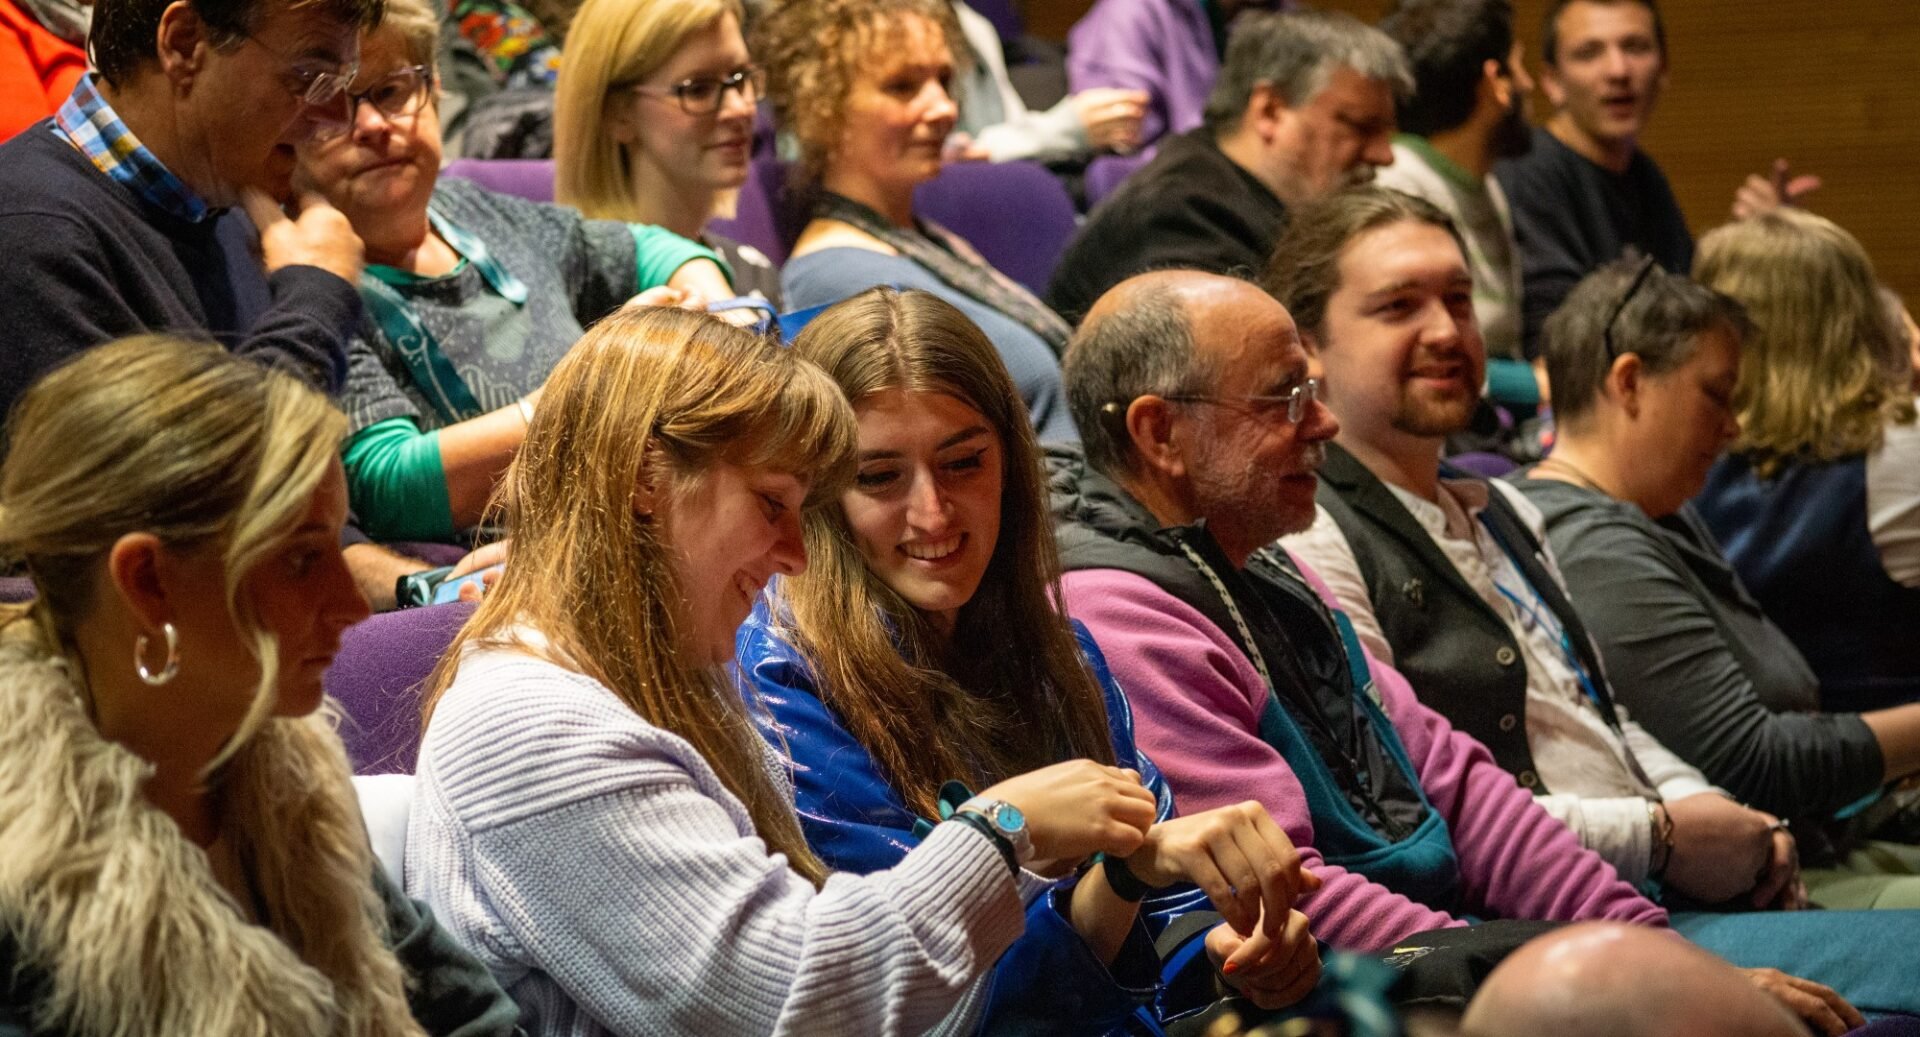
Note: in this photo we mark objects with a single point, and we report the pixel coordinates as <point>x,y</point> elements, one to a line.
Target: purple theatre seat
<point>1015,213</point>
<point>16,589</point>
<point>1483,463</point>
<point>529,178</point>
<point>378,679</point>
<point>1105,175</point>
<point>763,215</point>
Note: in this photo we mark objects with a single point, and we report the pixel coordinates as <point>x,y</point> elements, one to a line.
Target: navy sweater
<point>84,261</point>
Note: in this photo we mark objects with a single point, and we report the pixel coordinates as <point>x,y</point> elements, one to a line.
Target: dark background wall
<point>1834,86</point>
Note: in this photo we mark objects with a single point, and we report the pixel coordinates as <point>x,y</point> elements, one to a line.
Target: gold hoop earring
<point>168,671</point>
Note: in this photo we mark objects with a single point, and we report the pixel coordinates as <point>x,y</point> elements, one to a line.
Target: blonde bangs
<point>808,430</point>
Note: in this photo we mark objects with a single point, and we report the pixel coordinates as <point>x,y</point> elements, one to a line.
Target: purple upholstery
<point>1105,175</point>
<point>428,551</point>
<point>1015,213</point>
<point>1485,464</point>
<point>529,178</point>
<point>764,216</point>
<point>1889,1026</point>
<point>377,679</point>
<point>1004,15</point>
<point>16,589</point>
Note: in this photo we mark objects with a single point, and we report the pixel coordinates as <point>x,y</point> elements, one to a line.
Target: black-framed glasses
<point>704,96</point>
<point>1647,267</point>
<point>1295,400</point>
<point>399,94</point>
<point>316,88</point>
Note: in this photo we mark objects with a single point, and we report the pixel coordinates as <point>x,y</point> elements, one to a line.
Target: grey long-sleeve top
<point>1696,661</point>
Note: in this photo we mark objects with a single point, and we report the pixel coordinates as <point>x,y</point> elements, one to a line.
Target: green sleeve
<point>396,483</point>
<point>658,252</point>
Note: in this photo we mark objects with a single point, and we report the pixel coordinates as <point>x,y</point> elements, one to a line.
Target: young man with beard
<point>1446,579</point>
<point>1468,109</point>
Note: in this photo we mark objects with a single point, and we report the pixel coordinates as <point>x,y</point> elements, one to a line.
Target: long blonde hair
<point>1825,368</point>
<point>657,395</point>
<point>1012,692</point>
<point>201,449</point>
<point>613,44</point>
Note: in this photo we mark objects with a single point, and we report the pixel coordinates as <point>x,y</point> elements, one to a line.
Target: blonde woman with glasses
<point>471,296</point>
<point>653,122</point>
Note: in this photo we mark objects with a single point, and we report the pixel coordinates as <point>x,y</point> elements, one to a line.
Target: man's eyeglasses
<point>1647,266</point>
<point>398,95</point>
<point>1295,400</point>
<point>315,87</point>
<point>705,96</point>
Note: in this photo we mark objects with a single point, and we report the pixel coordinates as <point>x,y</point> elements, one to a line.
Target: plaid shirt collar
<point>90,124</point>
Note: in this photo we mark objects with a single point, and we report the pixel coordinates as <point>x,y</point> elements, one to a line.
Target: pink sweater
<point>1196,704</point>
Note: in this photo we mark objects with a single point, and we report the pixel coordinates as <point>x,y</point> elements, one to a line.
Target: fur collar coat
<point>116,919</point>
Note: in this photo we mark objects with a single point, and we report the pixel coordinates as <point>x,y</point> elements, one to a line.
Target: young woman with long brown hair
<point>595,813</point>
<point>927,644</point>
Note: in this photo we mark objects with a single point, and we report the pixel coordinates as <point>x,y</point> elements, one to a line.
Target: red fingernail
<point>1230,968</point>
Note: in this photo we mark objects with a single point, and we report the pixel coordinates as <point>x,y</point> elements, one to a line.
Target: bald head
<point>1606,980</point>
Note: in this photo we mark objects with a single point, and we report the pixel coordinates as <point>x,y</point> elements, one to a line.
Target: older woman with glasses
<point>471,297</point>
<point>653,122</point>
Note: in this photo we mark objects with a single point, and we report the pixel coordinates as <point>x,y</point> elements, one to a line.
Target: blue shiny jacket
<point>1048,981</point>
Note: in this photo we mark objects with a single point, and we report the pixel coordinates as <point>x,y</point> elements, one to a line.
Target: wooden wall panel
<point>1833,86</point>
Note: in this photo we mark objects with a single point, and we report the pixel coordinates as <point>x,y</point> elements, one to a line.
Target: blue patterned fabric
<point>91,124</point>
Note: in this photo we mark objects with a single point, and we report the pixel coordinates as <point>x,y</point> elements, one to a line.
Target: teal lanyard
<point>433,373</point>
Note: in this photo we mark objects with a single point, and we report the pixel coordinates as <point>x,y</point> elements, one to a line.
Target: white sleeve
<point>1673,776</point>
<point>1616,828</point>
<point>1325,548</point>
<point>1893,502</point>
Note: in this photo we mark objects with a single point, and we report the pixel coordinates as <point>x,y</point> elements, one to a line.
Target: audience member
<point>185,854</point>
<point>1469,108</point>
<point>1170,49</point>
<point>113,213</point>
<point>1603,980</point>
<point>998,127</point>
<point>1448,576</point>
<point>1444,573</point>
<point>471,297</point>
<point>584,706</point>
<point>1818,502</point>
<point>1202,430</point>
<point>925,646</point>
<point>653,122</point>
<point>1586,191</point>
<point>1646,405</point>
<point>43,52</point>
<point>1304,105</point>
<point>865,88</point>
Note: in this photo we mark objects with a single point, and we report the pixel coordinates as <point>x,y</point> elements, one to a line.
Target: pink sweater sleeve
<point>1196,709</point>
<point>1516,860</point>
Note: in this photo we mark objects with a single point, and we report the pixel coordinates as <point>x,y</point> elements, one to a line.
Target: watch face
<point>1008,818</point>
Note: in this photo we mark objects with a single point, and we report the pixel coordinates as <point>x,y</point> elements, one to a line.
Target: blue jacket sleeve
<point>1048,981</point>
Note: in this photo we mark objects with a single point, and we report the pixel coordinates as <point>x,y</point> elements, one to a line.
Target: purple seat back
<point>16,589</point>
<point>1483,463</point>
<point>1015,213</point>
<point>1106,173</point>
<point>378,677</point>
<point>529,178</point>
<point>763,216</point>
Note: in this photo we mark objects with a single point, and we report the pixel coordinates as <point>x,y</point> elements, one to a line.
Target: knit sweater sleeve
<point>1196,704</point>
<point>568,838</point>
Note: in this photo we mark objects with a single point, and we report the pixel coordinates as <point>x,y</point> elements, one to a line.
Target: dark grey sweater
<point>1695,660</point>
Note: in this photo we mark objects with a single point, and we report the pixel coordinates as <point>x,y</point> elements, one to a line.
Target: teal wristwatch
<point>1007,820</point>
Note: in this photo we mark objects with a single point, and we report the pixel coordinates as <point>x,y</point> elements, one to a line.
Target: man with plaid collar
<point>114,214</point>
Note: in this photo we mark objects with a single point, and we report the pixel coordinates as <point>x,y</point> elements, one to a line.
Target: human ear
<point>1266,112</point>
<point>1150,429</point>
<point>1624,380</point>
<point>1550,84</point>
<point>1495,81</point>
<point>181,42</point>
<point>618,118</point>
<point>138,571</point>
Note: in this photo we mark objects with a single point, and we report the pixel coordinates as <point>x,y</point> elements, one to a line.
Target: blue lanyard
<point>1538,613</point>
<point>433,373</point>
